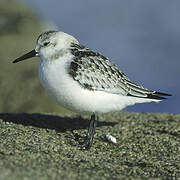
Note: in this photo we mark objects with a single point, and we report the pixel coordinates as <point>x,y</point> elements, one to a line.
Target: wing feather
<point>95,72</point>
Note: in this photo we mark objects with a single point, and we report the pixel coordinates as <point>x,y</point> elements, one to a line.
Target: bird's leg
<point>91,130</point>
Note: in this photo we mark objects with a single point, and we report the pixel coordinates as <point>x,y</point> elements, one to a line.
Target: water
<point>142,37</point>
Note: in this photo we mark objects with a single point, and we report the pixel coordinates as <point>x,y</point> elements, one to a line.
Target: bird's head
<point>50,45</point>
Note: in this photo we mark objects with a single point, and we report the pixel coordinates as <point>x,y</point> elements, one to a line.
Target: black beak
<point>30,54</point>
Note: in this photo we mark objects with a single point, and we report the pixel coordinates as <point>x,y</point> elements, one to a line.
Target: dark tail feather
<point>162,94</point>
<point>157,95</point>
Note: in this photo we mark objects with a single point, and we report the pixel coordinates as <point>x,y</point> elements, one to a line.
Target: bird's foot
<point>85,143</point>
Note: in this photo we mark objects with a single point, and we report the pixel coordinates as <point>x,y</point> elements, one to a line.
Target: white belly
<point>68,93</point>
<point>55,80</point>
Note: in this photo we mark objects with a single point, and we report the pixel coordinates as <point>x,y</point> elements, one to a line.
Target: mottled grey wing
<point>95,72</point>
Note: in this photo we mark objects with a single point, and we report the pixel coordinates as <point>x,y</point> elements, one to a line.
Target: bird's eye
<point>46,43</point>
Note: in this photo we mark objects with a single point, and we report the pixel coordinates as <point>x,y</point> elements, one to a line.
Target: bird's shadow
<point>54,122</point>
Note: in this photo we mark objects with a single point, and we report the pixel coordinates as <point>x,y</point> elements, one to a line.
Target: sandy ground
<point>45,146</point>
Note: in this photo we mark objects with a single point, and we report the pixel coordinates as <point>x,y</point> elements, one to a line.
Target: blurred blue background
<point>141,37</point>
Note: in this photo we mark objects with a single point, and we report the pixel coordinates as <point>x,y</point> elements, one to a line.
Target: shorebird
<point>83,80</point>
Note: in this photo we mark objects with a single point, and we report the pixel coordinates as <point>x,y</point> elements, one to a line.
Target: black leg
<point>91,130</point>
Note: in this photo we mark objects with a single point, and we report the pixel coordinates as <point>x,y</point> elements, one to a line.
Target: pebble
<point>109,138</point>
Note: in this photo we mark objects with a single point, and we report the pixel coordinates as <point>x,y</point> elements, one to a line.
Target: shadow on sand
<point>54,122</point>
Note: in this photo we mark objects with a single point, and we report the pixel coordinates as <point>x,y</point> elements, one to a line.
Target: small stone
<point>109,138</point>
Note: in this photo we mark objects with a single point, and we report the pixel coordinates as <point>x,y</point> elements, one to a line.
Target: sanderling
<point>83,80</point>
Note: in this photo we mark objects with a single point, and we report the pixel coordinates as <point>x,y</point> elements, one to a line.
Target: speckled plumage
<point>95,72</point>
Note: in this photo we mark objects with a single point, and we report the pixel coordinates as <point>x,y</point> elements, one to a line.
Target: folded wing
<point>95,72</point>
